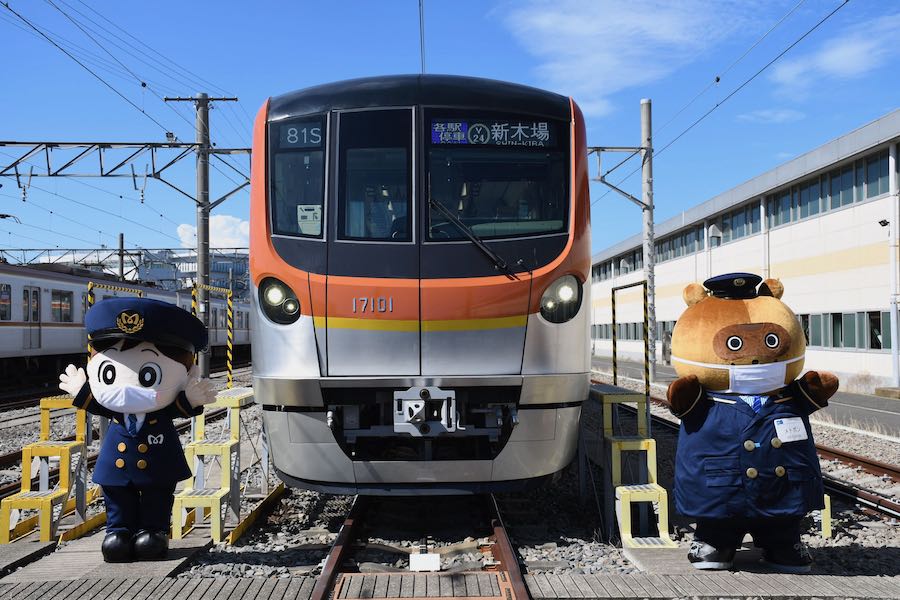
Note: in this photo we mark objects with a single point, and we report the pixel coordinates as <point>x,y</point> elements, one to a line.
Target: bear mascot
<point>746,459</point>
<point>140,375</point>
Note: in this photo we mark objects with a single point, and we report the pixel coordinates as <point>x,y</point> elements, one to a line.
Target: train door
<point>31,315</point>
<point>372,287</point>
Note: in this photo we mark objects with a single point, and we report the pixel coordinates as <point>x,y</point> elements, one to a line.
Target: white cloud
<point>591,49</point>
<point>861,49</point>
<point>770,116</point>
<point>225,231</point>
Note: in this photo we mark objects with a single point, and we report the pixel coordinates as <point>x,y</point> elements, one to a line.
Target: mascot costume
<point>140,375</point>
<point>746,460</point>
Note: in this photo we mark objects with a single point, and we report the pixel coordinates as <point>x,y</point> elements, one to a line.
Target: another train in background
<point>42,317</point>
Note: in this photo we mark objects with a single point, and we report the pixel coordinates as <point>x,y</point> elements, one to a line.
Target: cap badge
<point>129,322</point>
<point>739,282</point>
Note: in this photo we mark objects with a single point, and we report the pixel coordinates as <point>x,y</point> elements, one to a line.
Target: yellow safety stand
<point>226,498</point>
<point>825,515</point>
<point>50,502</point>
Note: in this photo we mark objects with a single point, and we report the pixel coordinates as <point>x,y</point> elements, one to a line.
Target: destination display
<point>493,132</point>
<point>300,134</point>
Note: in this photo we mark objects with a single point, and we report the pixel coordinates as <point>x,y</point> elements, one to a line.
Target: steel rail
<point>340,550</point>
<point>506,554</point>
<point>839,488</point>
<point>12,458</point>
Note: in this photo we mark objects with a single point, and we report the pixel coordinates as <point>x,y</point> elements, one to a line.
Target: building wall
<point>834,265</point>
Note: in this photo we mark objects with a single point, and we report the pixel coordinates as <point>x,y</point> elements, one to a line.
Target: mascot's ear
<point>771,287</point>
<point>693,294</point>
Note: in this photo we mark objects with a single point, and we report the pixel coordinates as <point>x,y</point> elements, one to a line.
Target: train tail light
<point>561,299</point>
<point>278,301</point>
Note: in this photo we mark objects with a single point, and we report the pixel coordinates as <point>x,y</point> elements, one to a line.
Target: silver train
<point>419,251</point>
<point>42,317</point>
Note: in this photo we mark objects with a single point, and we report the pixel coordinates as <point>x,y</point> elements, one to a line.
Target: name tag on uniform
<point>790,430</point>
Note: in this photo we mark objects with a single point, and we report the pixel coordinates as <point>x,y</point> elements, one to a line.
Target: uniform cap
<point>740,286</point>
<point>146,320</point>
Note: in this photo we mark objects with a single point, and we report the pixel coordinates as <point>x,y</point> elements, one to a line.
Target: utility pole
<point>121,257</point>
<point>645,203</point>
<point>647,210</point>
<point>201,102</point>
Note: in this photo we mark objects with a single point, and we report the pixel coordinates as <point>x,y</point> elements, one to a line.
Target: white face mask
<point>130,399</point>
<point>749,379</point>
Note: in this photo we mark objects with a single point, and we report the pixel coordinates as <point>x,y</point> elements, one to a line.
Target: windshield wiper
<point>499,263</point>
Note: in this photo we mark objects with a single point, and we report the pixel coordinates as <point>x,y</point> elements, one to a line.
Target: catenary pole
<point>121,257</point>
<point>648,234</point>
<point>201,102</point>
<point>894,247</point>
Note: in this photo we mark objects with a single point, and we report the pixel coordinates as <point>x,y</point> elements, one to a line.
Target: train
<point>42,310</point>
<point>419,259</point>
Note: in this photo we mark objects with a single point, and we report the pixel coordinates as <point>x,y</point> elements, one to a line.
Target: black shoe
<point>793,559</point>
<point>117,547</point>
<point>151,545</point>
<point>706,557</point>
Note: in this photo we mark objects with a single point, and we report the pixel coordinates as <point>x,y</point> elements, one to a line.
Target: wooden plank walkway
<point>482,585</point>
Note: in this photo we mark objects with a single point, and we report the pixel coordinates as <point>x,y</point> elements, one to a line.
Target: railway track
<point>8,460</point>
<point>845,490</point>
<point>31,397</point>
<point>336,575</point>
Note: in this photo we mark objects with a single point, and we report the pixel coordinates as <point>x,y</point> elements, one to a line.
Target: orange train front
<point>419,252</point>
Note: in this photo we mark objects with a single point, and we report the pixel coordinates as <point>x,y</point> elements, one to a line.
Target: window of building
<point>848,331</point>
<point>5,302</point>
<point>804,326</point>
<point>60,306</point>
<point>877,175</point>
<point>860,181</point>
<point>815,330</point>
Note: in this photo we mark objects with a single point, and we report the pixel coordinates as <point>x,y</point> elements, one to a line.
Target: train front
<point>419,253</point>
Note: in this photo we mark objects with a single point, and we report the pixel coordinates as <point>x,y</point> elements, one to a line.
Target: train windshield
<point>298,177</point>
<point>500,177</point>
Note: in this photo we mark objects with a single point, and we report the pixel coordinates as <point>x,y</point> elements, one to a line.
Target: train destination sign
<point>300,134</point>
<point>489,132</point>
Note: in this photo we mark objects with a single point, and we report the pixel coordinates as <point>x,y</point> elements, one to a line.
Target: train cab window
<point>374,182</point>
<point>5,302</point>
<point>503,177</point>
<point>298,177</point>
<point>60,306</point>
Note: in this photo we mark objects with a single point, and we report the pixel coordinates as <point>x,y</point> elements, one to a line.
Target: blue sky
<point>607,55</point>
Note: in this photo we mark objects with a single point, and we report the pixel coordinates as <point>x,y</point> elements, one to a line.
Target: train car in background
<point>42,318</point>
<point>419,249</point>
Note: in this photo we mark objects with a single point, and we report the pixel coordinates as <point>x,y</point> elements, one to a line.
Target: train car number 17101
<point>372,304</point>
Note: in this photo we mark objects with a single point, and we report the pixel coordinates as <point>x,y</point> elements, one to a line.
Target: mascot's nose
<point>755,362</point>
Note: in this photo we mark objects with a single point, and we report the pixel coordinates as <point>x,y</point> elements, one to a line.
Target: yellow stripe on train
<point>413,326</point>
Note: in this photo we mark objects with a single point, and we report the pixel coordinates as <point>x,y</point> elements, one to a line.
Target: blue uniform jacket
<point>153,458</point>
<point>730,462</point>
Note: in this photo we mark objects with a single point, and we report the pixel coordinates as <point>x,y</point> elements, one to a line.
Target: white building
<point>821,223</point>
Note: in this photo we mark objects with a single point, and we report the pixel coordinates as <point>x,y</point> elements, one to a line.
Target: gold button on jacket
<point>122,447</point>
<point>749,445</point>
<point>752,473</point>
<point>779,471</point>
<point>120,463</point>
<point>142,448</point>
<point>776,443</point>
<point>142,464</point>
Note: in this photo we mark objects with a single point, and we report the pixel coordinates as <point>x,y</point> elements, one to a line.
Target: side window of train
<point>374,184</point>
<point>5,302</point>
<point>84,304</point>
<point>61,306</point>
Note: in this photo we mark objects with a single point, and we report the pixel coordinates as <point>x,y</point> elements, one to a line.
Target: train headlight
<point>278,301</point>
<point>561,299</point>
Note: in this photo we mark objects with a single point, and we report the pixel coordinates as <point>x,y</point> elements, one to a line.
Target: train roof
<point>413,90</point>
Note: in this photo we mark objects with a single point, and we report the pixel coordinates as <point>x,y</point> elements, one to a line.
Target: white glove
<point>72,380</point>
<point>199,392</point>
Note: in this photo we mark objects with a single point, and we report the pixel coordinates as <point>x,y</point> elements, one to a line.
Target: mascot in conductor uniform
<point>746,459</point>
<point>140,375</point>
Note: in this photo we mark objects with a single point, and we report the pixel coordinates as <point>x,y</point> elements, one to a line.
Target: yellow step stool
<point>643,492</point>
<point>619,444</point>
<point>50,502</point>
<point>216,501</point>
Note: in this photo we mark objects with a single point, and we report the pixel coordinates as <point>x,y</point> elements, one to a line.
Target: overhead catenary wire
<point>745,83</point>
<point>86,68</point>
<point>717,79</point>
